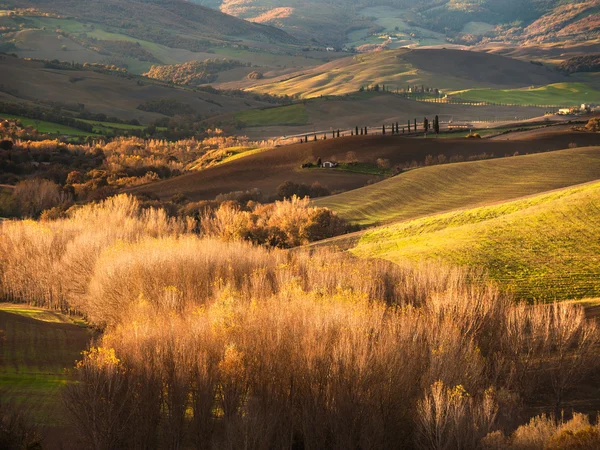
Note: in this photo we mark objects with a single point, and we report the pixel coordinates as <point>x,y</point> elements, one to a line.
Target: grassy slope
<point>103,93</point>
<point>436,189</point>
<point>543,248</point>
<point>559,94</point>
<point>286,115</point>
<point>39,345</point>
<point>47,127</point>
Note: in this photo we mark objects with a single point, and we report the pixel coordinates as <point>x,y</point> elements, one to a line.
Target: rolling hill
<point>444,69</point>
<point>436,189</point>
<point>32,83</point>
<point>364,21</point>
<point>540,248</point>
<point>136,34</point>
<point>266,170</point>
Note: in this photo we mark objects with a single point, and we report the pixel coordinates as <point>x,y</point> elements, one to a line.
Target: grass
<point>284,115</point>
<point>106,127</point>
<point>39,346</point>
<point>436,189</point>
<point>48,127</point>
<point>558,94</point>
<point>540,248</point>
<point>365,168</point>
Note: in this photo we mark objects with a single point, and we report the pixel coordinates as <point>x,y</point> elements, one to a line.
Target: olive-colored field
<point>540,248</point>
<point>432,190</point>
<point>266,170</point>
<point>39,346</point>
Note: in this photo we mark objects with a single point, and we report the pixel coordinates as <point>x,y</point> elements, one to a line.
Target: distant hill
<point>167,22</point>
<point>136,34</point>
<point>435,68</point>
<point>459,21</point>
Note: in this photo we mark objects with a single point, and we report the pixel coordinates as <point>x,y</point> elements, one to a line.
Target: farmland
<point>539,248</point>
<point>396,69</point>
<point>561,94</point>
<point>432,190</point>
<point>266,170</point>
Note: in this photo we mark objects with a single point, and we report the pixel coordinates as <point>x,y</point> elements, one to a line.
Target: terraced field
<point>540,248</point>
<point>436,189</point>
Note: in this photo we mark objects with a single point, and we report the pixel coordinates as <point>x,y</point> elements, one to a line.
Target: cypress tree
<point>366,132</point>
<point>338,133</point>
<point>409,126</point>
<point>357,130</point>
<point>383,130</point>
<point>415,124</point>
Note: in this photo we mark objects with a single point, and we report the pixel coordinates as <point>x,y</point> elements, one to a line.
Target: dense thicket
<point>193,73</point>
<point>218,344</point>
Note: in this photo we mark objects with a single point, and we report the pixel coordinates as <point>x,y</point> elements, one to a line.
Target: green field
<point>436,189</point>
<point>559,94</point>
<point>540,248</point>
<point>285,115</point>
<point>39,345</point>
<point>48,127</point>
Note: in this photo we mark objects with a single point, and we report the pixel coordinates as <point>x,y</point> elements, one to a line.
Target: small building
<point>329,165</point>
<point>330,49</point>
<point>564,111</point>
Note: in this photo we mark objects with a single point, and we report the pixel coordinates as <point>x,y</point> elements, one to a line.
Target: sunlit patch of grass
<point>539,248</point>
<point>284,115</point>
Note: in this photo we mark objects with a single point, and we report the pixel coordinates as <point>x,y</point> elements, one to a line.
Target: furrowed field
<point>436,189</point>
<point>540,248</point>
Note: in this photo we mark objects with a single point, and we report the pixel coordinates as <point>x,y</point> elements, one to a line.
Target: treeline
<point>47,115</point>
<point>585,63</point>
<point>193,73</point>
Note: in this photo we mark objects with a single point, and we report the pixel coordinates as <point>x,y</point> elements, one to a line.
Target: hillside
<point>540,248</point>
<point>136,34</point>
<point>160,21</point>
<point>370,21</point>
<point>117,95</point>
<point>39,345</point>
<point>442,69</point>
<point>432,190</point>
<point>268,169</point>
<point>369,109</point>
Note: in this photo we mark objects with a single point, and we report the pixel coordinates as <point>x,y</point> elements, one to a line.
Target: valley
<point>262,224</point>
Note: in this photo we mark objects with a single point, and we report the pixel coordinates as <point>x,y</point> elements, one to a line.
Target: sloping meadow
<point>217,344</point>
